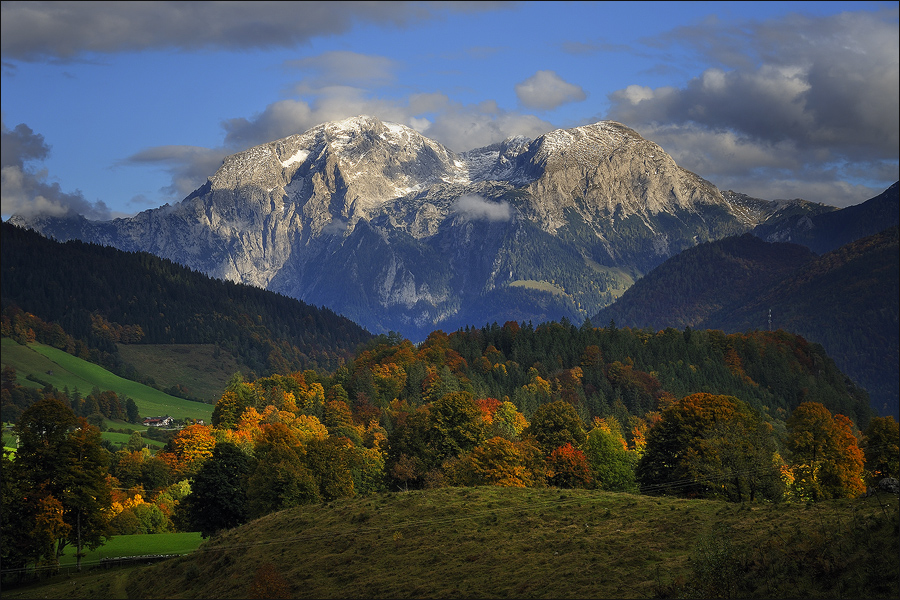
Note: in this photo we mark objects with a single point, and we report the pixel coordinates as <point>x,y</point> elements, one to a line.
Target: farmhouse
<point>158,421</point>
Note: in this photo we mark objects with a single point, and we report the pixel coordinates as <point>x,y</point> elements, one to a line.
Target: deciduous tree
<point>709,444</point>
<point>86,491</point>
<point>825,455</point>
<point>502,462</point>
<point>456,425</point>
<point>567,467</point>
<point>612,465</point>
<point>556,424</point>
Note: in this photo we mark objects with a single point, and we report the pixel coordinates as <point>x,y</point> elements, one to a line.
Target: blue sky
<point>110,108</point>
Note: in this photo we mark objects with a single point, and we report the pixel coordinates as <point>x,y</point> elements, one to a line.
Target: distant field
<point>544,286</point>
<point>122,438</point>
<point>195,366</point>
<point>623,278</point>
<point>63,370</point>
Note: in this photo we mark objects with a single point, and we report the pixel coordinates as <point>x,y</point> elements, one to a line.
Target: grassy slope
<point>527,543</point>
<point>69,371</point>
<point>195,366</point>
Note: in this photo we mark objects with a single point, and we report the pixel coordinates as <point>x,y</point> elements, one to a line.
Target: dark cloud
<point>22,145</point>
<point>800,103</point>
<point>26,191</point>
<point>34,31</point>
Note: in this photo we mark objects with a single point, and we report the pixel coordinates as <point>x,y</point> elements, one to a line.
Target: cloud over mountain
<point>810,101</point>
<point>476,208</point>
<point>27,191</point>
<point>546,90</point>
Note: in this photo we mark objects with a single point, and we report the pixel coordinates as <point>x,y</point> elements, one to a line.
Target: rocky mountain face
<point>399,233</point>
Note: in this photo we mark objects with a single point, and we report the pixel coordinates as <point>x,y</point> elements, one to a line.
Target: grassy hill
<point>61,370</point>
<point>201,369</point>
<point>526,543</point>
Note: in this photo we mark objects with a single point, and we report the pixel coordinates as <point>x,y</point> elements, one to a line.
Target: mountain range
<point>832,277</point>
<point>398,233</point>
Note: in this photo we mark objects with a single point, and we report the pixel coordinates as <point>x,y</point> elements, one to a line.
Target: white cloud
<point>545,90</point>
<point>188,166</point>
<point>476,208</point>
<point>459,127</point>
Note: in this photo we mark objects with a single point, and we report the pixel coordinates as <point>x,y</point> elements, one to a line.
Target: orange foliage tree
<point>825,455</point>
<point>187,450</point>
<point>501,462</point>
<point>567,467</point>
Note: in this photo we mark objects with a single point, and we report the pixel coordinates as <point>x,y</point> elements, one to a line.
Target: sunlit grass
<point>532,543</point>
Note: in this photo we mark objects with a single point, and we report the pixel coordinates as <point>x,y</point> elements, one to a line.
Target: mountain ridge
<point>846,300</point>
<point>399,233</point>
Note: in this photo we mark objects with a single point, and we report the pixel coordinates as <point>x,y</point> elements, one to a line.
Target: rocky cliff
<point>398,233</point>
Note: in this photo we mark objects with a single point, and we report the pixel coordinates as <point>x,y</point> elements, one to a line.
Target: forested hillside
<point>826,230</point>
<point>848,300</point>
<point>99,297</point>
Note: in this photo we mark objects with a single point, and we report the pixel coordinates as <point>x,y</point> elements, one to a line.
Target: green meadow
<point>136,545</point>
<point>62,370</point>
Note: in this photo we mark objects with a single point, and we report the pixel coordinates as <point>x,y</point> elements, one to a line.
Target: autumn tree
<point>330,461</point>
<point>709,444</point>
<point>567,467</point>
<point>58,483</point>
<point>737,458</point>
<point>409,455</point>
<point>31,519</point>
<point>826,459</point>
<point>456,425</point>
<point>612,464</point>
<point>281,480</point>
<point>502,462</point>
<point>188,449</point>
<point>507,421</point>
<point>338,418</point>
<point>86,492</point>
<point>236,398</point>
